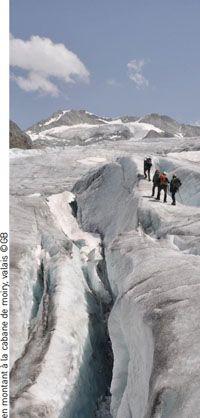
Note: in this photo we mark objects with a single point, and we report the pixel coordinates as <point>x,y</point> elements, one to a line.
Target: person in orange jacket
<point>163,186</point>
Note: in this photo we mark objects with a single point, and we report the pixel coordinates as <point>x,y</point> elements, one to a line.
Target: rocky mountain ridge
<point>73,117</point>
<point>80,127</point>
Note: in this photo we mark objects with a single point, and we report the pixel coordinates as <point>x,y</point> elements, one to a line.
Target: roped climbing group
<point>161,182</point>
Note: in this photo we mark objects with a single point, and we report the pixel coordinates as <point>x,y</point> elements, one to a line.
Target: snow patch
<point>34,195</point>
<point>59,206</point>
<point>92,160</point>
<point>18,153</point>
<point>55,119</point>
<point>193,156</point>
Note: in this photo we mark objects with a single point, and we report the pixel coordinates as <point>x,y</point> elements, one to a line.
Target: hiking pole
<point>180,196</point>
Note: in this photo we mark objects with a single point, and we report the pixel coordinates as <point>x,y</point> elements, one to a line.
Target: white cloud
<point>43,60</point>
<point>135,68</point>
<point>35,81</point>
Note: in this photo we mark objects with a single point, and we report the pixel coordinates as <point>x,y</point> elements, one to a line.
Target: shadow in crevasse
<point>74,206</point>
<point>38,291</point>
<point>95,373</point>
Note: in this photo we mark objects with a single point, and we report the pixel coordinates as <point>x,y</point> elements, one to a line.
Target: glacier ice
<point>156,286</point>
<point>57,365</point>
<point>125,249</point>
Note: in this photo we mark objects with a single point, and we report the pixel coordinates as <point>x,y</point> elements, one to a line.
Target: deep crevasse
<point>64,363</point>
<point>156,308</point>
<point>112,197</point>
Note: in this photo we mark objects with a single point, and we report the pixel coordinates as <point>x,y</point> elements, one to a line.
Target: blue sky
<point>131,57</point>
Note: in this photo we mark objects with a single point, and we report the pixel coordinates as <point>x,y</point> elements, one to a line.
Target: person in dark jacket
<point>174,187</point>
<point>163,186</point>
<point>147,167</point>
<point>156,181</point>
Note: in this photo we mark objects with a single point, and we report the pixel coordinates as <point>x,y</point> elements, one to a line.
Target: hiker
<point>163,186</point>
<point>156,181</point>
<point>147,167</point>
<point>174,187</point>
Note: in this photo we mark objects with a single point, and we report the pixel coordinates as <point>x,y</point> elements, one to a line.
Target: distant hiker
<point>174,187</point>
<point>147,167</point>
<point>156,181</point>
<point>163,186</point>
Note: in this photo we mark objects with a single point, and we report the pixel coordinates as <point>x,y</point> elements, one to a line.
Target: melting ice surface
<point>87,243</point>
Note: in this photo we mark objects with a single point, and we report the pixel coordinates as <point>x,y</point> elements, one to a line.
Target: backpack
<point>163,180</point>
<point>175,184</point>
<point>147,163</point>
<point>156,178</point>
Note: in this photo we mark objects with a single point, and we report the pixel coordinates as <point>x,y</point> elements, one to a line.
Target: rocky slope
<point>71,127</point>
<point>18,138</point>
<point>95,263</point>
<point>170,126</point>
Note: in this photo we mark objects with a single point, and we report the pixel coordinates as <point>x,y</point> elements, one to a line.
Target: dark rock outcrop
<point>18,138</point>
<point>154,134</point>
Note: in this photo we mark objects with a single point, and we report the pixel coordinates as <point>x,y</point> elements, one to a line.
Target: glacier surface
<point>90,246</point>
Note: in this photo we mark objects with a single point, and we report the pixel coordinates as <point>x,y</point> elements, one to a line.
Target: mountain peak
<point>81,127</point>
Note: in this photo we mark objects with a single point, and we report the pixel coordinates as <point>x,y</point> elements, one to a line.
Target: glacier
<point>104,282</point>
<point>156,285</point>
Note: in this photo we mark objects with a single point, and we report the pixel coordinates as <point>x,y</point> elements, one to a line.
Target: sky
<point>110,57</point>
